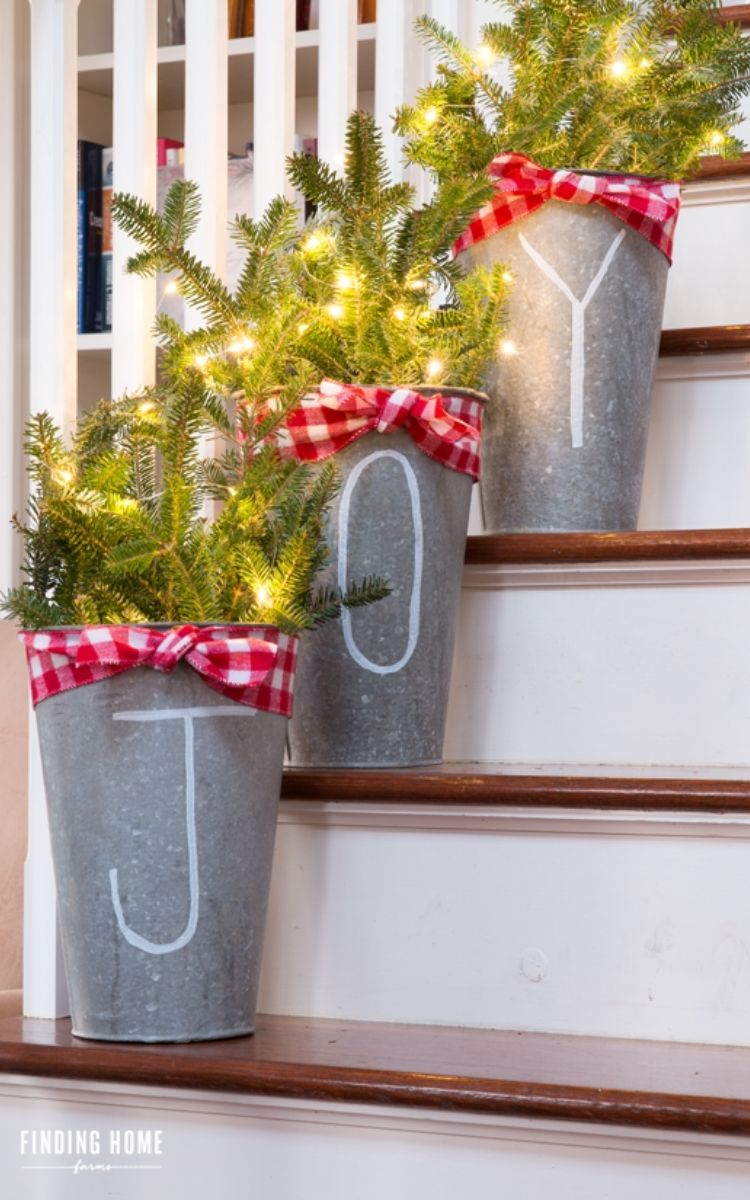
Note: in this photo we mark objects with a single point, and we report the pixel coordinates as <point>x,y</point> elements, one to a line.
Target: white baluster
<point>274,92</point>
<point>52,386</point>
<point>14,200</point>
<point>134,170</point>
<point>337,77</point>
<point>454,15</point>
<point>399,70</point>
<point>206,129</point>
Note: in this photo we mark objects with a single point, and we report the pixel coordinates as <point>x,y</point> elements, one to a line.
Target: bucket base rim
<point>152,1039</point>
<point>366,766</point>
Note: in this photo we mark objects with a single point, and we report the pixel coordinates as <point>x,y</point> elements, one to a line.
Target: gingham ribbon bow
<point>257,671</point>
<point>339,413</point>
<point>649,206</point>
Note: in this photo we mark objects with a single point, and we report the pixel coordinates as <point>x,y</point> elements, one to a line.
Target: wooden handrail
<point>637,546</point>
<point>707,339</point>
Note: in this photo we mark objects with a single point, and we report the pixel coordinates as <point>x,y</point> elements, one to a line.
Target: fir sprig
<point>635,86</point>
<point>372,265</point>
<point>117,527</point>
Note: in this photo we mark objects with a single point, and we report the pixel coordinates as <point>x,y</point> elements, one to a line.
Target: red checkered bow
<point>447,428</point>
<point>649,206</point>
<point>253,670</point>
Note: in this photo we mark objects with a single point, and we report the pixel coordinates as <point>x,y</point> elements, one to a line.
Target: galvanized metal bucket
<point>564,442</point>
<point>162,798</point>
<point>371,690</point>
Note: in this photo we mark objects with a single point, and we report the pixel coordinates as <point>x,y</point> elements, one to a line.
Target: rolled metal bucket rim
<point>154,625</point>
<point>429,389</point>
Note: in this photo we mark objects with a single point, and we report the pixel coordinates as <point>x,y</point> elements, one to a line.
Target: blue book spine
<point>81,244</point>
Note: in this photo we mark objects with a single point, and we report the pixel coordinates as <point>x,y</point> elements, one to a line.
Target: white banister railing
<point>337,77</point>
<point>134,162</point>
<point>14,198</point>
<point>52,386</point>
<point>274,98</point>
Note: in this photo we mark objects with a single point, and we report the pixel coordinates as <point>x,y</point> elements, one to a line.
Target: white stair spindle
<point>337,77</point>
<point>206,130</point>
<point>14,16</point>
<point>481,12</point>
<point>399,71</point>
<point>52,386</point>
<point>134,170</point>
<point>274,92</point>
<point>454,15</point>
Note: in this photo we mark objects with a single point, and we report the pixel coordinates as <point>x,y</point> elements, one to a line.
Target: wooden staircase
<point>524,972</point>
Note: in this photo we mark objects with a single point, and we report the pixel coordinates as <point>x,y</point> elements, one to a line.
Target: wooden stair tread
<point>490,784</point>
<point>631,546</point>
<point>704,339</point>
<point>612,1081</point>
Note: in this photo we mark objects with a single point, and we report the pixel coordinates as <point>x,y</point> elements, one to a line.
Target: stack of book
<point>242,15</point>
<point>94,266</point>
<point>94,237</point>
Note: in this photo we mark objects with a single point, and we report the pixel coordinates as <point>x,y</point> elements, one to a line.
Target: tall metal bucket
<point>162,799</point>
<point>371,690</point>
<point>564,441</point>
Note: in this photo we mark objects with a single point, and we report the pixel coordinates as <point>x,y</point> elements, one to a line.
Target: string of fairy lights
<point>621,70</point>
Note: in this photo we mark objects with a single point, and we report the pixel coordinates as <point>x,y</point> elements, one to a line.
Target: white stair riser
<point>583,925</point>
<point>214,1144</point>
<point>547,670</point>
<point>708,282</point>
<point>696,473</point>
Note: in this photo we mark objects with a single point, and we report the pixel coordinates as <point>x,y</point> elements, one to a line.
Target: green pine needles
<point>172,505</point>
<point>633,86</point>
<point>370,267</point>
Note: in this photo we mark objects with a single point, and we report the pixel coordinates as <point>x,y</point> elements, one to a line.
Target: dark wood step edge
<point>480,788</point>
<point>635,546</point>
<point>705,339</point>
<point>738,13</point>
<point>392,1086</point>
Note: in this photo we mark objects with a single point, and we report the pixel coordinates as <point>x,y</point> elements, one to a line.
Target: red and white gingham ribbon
<point>447,428</point>
<point>252,665</point>
<point>651,207</point>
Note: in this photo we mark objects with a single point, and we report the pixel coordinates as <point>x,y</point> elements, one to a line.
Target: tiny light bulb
<point>716,139</point>
<point>201,360</point>
<point>508,348</point>
<point>312,243</point>
<point>417,285</point>
<point>302,327</point>
<point>486,55</point>
<point>263,595</point>
<point>431,115</point>
<point>145,407</point>
<point>335,310</point>
<point>507,276</point>
<point>235,347</point>
<point>399,313</point>
<point>64,475</point>
<point>619,68</point>
<point>345,282</point>
<point>644,64</point>
<point>172,288</point>
<point>434,367</point>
